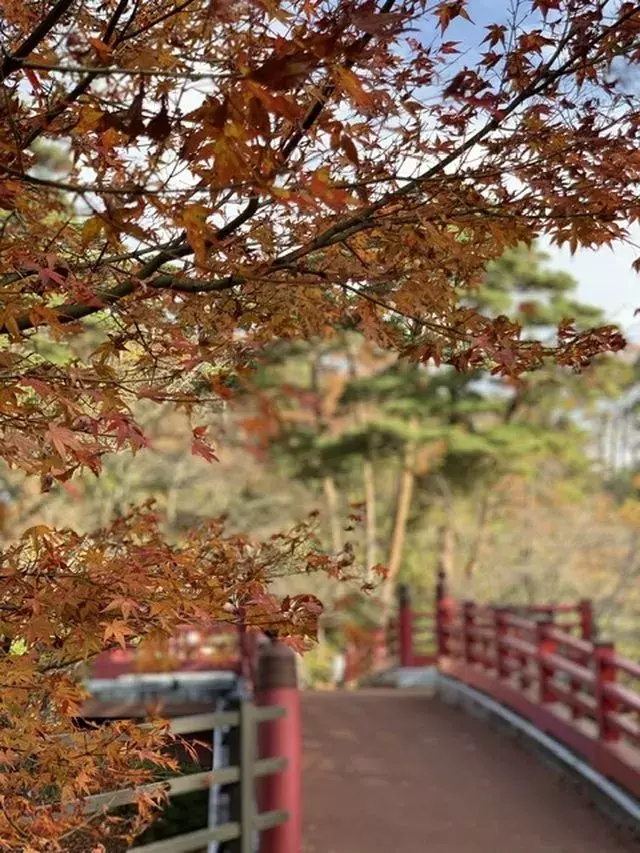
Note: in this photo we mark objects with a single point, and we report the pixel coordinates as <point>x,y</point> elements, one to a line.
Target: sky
<point>605,278</point>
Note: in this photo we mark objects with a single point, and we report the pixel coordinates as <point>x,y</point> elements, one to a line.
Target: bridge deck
<point>397,772</point>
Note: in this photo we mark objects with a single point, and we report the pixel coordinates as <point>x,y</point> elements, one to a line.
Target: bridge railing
<point>263,776</point>
<point>549,670</point>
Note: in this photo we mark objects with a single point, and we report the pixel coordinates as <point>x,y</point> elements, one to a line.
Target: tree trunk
<point>368,476</point>
<point>481,537</point>
<point>371,535</point>
<point>333,513</point>
<point>403,505</point>
<point>447,556</point>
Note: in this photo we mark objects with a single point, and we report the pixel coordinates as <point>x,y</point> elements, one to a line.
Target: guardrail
<point>574,688</point>
<point>264,775</point>
<point>541,661</point>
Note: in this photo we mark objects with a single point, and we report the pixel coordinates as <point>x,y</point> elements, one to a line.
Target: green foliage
<point>318,666</point>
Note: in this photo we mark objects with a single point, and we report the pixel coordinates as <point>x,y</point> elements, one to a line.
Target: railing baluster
<point>467,627</point>
<point>585,610</point>
<point>500,631</point>
<point>234,791</point>
<point>606,674</point>
<point>546,645</point>
<point>248,735</point>
<point>405,625</point>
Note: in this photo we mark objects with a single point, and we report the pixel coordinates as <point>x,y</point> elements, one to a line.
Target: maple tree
<point>229,173</point>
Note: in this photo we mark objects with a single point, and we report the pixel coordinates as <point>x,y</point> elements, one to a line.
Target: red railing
<point>544,664</point>
<point>219,647</point>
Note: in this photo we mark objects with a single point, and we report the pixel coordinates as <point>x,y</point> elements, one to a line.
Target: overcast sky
<point>606,279</point>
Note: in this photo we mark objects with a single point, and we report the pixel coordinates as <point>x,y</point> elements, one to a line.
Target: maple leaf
<point>118,631</point>
<point>448,11</point>
<point>91,229</point>
<point>374,23</point>
<point>545,6</point>
<point>63,439</point>
<point>201,448</point>
<point>351,83</point>
<point>216,184</point>
<point>349,149</point>
<point>159,127</point>
<point>281,72</point>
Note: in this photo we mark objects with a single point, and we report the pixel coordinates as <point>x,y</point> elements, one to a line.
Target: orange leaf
<point>353,86</point>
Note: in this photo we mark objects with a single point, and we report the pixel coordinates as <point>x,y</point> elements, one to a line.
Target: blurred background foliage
<point>520,492</point>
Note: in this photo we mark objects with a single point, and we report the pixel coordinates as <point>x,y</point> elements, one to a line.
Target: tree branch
<point>14,61</point>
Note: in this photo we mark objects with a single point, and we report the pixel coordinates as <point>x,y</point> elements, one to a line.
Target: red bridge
<point>541,754</point>
<point>520,734</point>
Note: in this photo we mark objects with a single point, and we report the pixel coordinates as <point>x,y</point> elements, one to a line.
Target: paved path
<point>397,772</point>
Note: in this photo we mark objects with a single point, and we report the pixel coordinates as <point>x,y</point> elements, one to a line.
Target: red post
<point>606,672</point>
<point>443,615</point>
<point>585,611</point>
<point>405,626</point>
<point>500,632</point>
<point>277,684</point>
<point>546,646</point>
<point>467,628</point>
<point>379,650</point>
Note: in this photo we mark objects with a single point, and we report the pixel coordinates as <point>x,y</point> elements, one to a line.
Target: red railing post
<point>467,629</point>
<point>443,615</point>
<point>380,650</point>
<point>606,672</point>
<point>277,684</point>
<point>500,632</point>
<point>585,610</point>
<point>405,625</point>
<point>546,645</point>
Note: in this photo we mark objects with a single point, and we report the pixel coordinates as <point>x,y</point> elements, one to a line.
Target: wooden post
<point>443,615</point>
<point>405,626</point>
<point>241,742</point>
<point>500,632</point>
<point>276,684</point>
<point>606,673</point>
<point>546,645</point>
<point>585,610</point>
<point>227,794</point>
<point>467,627</point>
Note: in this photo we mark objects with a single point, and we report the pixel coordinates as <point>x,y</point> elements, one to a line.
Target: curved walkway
<point>397,772</point>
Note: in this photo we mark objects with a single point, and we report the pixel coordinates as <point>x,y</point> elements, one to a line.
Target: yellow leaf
<point>91,229</point>
<point>89,119</point>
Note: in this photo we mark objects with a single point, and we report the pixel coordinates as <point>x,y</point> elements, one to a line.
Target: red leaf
<point>349,149</point>
<point>159,127</point>
<point>201,448</point>
<point>374,23</point>
<point>283,72</point>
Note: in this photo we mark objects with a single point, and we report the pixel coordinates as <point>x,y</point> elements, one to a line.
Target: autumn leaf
<point>118,631</point>
<point>62,439</point>
<point>283,72</point>
<point>377,22</point>
<point>351,84</point>
<point>159,127</point>
<point>349,149</point>
<point>92,228</point>
<point>200,447</point>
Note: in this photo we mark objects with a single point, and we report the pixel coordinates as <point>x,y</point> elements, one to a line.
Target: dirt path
<point>397,772</point>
